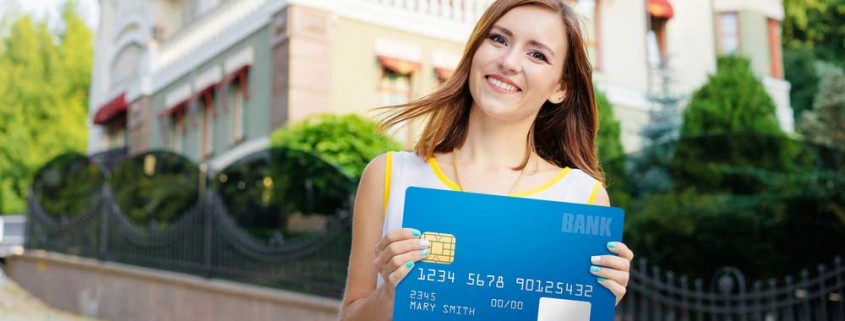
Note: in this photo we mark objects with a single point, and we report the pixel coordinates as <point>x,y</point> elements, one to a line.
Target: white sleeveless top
<point>405,169</point>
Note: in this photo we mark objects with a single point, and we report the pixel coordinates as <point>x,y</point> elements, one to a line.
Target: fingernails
<point>594,268</point>
<point>611,245</point>
<point>416,233</point>
<point>409,265</point>
<point>424,252</point>
<point>425,243</point>
<point>601,279</point>
<point>595,259</point>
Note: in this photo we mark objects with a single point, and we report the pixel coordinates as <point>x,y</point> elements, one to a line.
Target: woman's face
<point>519,65</point>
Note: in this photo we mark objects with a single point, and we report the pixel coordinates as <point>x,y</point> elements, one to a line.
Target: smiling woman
<point>517,118</point>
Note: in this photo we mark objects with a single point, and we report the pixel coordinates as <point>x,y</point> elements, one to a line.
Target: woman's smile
<point>502,85</point>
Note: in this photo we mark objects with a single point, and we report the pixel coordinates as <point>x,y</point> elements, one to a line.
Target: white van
<point>12,232</point>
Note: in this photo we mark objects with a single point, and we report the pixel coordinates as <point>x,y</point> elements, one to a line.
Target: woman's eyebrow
<point>532,42</point>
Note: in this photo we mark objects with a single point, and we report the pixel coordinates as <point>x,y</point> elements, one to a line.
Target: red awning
<point>241,75</point>
<point>111,110</point>
<point>176,109</point>
<point>236,74</point>
<point>398,66</point>
<point>443,73</point>
<point>660,9</point>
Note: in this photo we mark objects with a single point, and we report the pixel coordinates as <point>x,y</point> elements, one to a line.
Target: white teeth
<point>502,85</point>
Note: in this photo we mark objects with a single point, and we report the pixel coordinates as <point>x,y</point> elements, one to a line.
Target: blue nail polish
<point>416,233</point>
<point>601,279</point>
<point>611,245</point>
<point>594,268</point>
<point>409,265</point>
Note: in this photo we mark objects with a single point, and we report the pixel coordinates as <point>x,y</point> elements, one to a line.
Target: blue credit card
<point>506,258</point>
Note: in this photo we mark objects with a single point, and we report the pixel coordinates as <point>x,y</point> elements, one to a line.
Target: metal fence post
<point>207,212</point>
<point>103,238</point>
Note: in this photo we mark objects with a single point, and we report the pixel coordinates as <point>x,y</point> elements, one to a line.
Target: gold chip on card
<point>442,249</point>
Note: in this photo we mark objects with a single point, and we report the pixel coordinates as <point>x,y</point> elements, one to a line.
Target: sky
<point>41,9</point>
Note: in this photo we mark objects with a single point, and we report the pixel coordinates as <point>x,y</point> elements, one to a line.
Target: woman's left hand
<point>611,270</point>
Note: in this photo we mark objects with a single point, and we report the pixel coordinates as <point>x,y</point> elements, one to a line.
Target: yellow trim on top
<point>594,193</point>
<point>454,186</point>
<point>446,181</point>
<point>388,170</point>
<point>560,175</point>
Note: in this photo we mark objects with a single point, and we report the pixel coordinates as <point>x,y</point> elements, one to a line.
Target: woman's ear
<point>558,95</point>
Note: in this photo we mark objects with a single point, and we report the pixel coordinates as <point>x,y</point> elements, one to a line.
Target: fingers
<point>621,249</point>
<point>612,270</point>
<point>396,235</point>
<point>617,289</point>
<point>622,262</point>
<point>620,277</point>
<point>398,253</point>
<point>611,261</point>
<point>399,267</point>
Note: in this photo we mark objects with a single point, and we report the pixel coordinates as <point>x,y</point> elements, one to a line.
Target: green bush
<point>68,186</point>
<point>156,188</point>
<point>348,141</point>
<point>732,101</point>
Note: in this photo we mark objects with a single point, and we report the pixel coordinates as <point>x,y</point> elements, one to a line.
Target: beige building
<point>212,79</point>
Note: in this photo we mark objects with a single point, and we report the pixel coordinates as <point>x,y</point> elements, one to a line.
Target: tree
<point>348,141</point>
<point>813,24</point>
<point>825,123</point>
<point>811,33</point>
<point>45,79</point>
<point>732,101</point>
<point>799,64</point>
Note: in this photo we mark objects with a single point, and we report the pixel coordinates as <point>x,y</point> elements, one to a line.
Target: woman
<point>517,118</point>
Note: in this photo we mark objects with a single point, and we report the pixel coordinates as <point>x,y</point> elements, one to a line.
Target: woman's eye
<point>498,39</point>
<point>539,56</point>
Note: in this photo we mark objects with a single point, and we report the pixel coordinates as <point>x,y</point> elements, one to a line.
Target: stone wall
<point>117,292</point>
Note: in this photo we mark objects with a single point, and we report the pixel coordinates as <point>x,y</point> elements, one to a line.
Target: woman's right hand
<point>396,253</point>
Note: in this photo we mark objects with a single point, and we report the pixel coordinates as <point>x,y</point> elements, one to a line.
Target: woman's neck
<point>493,144</point>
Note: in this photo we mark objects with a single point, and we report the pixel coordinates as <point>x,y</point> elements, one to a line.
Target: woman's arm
<point>361,300</point>
<point>391,256</point>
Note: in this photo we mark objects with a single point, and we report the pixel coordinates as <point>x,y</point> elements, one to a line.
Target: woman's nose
<point>510,61</point>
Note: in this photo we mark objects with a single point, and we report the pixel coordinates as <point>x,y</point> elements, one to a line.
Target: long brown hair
<point>562,134</point>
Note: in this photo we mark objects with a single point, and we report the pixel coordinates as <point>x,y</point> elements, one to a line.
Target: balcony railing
<point>467,11</point>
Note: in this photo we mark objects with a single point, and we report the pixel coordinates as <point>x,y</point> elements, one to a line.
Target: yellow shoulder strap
<point>388,170</point>
<point>594,193</point>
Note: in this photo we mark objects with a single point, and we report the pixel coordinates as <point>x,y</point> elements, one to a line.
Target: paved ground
<point>18,305</point>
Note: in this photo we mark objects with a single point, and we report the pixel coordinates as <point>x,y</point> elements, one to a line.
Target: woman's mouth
<point>501,85</point>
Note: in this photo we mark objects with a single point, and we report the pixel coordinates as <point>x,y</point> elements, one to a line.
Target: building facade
<point>211,79</point>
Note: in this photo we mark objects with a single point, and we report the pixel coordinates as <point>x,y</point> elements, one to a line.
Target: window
<point>590,10</point>
<point>657,46</point>
<point>207,137</point>
<point>116,136</point>
<point>659,11</point>
<point>236,97</point>
<point>395,89</point>
<point>775,58</point>
<point>442,75</point>
<point>177,131</point>
<point>728,33</point>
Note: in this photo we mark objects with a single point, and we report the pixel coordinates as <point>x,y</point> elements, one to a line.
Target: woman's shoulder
<point>379,164</point>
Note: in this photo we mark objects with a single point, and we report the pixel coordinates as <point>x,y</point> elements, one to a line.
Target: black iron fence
<point>146,213</point>
<point>654,294</point>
